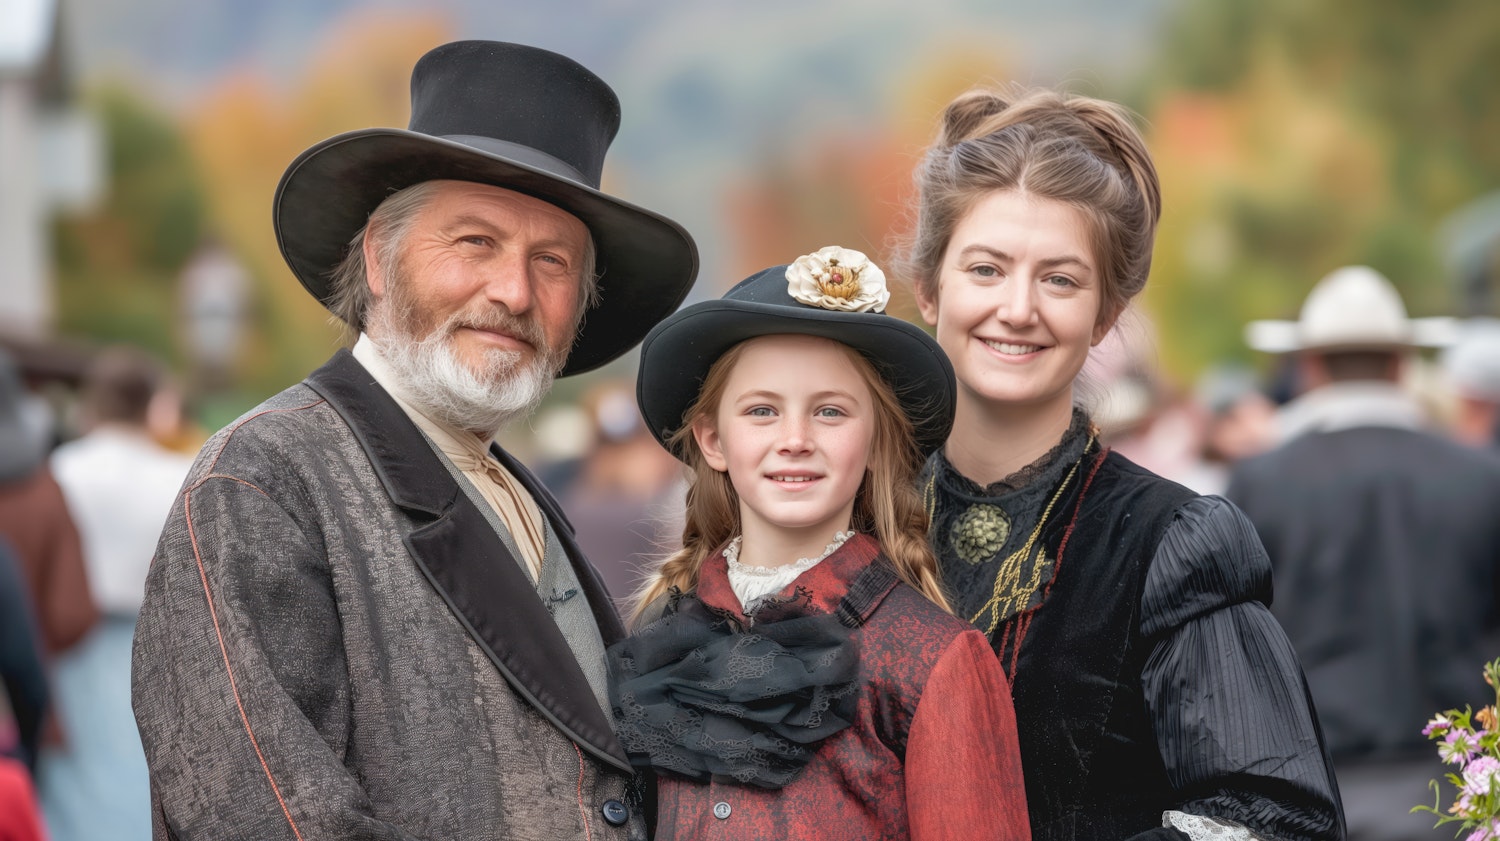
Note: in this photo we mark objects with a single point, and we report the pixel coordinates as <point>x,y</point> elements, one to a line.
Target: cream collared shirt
<point>470,454</point>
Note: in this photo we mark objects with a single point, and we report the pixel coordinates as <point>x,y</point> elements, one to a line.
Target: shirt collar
<point>1347,405</point>
<point>824,585</point>
<point>464,448</point>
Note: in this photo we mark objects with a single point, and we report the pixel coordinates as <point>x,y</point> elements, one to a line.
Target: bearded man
<point>364,619</point>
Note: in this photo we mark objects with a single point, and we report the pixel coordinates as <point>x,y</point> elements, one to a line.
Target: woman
<point>1155,695</point>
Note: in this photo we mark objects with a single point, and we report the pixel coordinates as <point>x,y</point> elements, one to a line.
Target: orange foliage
<point>851,188</point>
<point>245,132</point>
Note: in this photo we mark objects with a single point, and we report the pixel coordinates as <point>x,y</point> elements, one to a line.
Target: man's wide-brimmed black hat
<point>510,116</point>
<point>835,293</point>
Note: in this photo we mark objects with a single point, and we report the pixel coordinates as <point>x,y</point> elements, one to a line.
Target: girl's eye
<point>830,412</point>
<point>759,411</point>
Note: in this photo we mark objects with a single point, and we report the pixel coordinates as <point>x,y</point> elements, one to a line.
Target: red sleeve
<point>963,763</point>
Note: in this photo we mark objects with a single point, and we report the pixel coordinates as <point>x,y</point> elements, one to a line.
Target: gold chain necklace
<point>1010,567</point>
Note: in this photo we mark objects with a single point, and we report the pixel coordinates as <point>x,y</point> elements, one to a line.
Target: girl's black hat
<point>835,293</point>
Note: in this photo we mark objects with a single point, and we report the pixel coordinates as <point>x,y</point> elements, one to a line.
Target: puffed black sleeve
<point>1233,717</point>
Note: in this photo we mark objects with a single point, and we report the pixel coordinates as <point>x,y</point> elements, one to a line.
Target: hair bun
<point>969,115</point>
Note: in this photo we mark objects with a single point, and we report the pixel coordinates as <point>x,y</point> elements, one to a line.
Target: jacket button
<point>721,810</point>
<point>615,812</point>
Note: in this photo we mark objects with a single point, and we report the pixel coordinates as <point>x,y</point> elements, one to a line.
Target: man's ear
<point>706,433</point>
<point>374,271</point>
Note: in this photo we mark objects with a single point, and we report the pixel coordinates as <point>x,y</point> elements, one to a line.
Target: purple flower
<point>1482,776</point>
<point>1439,724</point>
<point>1489,831</point>
<point>1458,746</point>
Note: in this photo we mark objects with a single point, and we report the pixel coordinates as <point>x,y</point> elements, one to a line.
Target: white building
<point>51,159</point>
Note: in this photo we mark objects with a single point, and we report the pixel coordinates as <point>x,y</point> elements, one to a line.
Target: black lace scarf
<point>699,694</point>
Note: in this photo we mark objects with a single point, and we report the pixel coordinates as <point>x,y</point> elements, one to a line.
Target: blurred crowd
<point>86,482</point>
<point>85,486</point>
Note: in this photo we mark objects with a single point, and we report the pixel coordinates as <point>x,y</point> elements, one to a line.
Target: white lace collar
<point>752,582</point>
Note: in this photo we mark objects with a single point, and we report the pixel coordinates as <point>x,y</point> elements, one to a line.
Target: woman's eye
<point>985,270</point>
<point>1061,280</point>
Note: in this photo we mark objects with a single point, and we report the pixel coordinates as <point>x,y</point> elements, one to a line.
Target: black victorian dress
<point>1130,616</point>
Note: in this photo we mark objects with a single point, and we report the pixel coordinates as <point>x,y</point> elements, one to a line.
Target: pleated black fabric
<point>1227,698</point>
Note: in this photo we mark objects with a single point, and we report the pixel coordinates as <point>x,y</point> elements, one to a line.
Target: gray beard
<point>440,385</point>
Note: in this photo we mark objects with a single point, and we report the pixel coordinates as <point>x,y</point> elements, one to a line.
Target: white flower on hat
<point>835,278</point>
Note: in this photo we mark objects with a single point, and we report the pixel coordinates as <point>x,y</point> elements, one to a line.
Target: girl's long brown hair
<point>887,505</point>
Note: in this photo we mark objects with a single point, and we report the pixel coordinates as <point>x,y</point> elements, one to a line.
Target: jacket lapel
<point>469,566</point>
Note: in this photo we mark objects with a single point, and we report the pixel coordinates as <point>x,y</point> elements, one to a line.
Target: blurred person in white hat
<point>1383,544</point>
<point>1352,341</point>
<point>1472,370</point>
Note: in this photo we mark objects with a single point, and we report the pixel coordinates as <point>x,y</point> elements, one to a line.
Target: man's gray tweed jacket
<point>336,645</point>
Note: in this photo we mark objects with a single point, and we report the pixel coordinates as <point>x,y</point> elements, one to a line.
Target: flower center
<point>839,281</point>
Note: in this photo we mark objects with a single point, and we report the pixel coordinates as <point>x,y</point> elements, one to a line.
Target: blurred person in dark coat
<point>35,518</point>
<point>366,620</point>
<point>1384,544</point>
<point>23,702</point>
<point>23,682</point>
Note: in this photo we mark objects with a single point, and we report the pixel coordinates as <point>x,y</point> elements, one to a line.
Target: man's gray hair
<point>350,297</point>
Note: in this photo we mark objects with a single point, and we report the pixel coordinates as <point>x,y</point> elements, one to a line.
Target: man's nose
<point>508,281</point>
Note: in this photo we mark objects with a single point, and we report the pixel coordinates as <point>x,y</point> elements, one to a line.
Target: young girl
<point>798,675</point>
<point>1155,695</point>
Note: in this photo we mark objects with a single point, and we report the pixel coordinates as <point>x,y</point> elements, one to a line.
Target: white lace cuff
<point>1200,828</point>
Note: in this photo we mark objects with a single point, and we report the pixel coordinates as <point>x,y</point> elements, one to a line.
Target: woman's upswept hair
<point>887,506</point>
<point>1084,152</point>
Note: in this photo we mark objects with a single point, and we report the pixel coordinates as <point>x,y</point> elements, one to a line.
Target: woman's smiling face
<point>1017,301</point>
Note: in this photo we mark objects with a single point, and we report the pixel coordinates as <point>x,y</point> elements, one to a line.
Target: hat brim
<point>677,354</point>
<point>647,263</point>
<point>1281,336</point>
